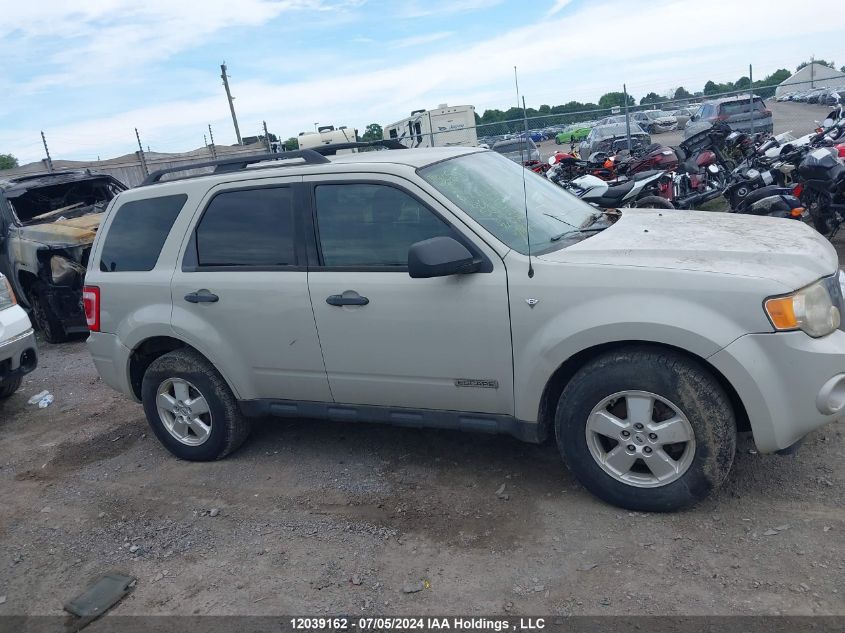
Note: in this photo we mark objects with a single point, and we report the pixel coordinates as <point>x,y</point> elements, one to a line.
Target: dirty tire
<point>670,375</point>
<point>229,428</point>
<point>653,202</point>
<point>9,386</point>
<point>45,318</point>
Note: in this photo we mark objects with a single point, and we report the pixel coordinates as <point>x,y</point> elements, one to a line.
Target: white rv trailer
<point>328,135</point>
<point>443,127</point>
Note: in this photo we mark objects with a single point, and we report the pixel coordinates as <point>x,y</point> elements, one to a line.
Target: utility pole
<point>231,99</point>
<point>266,136</point>
<point>812,71</point>
<point>47,151</point>
<point>141,154</point>
<point>211,136</point>
<point>751,95</point>
<point>627,116</point>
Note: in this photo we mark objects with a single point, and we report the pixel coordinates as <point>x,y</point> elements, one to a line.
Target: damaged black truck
<point>47,225</point>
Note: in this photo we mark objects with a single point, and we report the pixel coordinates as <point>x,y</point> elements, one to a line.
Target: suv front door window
<point>400,343</point>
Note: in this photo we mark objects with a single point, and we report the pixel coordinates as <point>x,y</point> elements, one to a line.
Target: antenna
<point>524,145</point>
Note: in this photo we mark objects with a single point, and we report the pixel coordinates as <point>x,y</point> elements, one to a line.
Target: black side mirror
<point>440,257</point>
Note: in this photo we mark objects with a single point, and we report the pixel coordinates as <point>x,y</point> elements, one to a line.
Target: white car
<point>660,121</point>
<point>18,355</point>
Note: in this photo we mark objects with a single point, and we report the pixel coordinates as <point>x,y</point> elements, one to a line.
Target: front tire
<point>45,317</point>
<point>190,407</point>
<point>646,429</point>
<point>653,202</point>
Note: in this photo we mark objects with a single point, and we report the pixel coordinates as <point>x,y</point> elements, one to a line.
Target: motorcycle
<point>821,188</point>
<point>637,191</point>
<point>773,201</point>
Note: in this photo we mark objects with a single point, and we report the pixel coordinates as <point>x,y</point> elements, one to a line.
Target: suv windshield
<point>489,188</point>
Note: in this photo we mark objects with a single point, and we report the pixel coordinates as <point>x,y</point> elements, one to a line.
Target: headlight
<point>810,309</point>
<point>7,296</point>
<point>64,271</point>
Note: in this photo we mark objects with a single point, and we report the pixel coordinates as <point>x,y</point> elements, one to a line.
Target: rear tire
<point>683,447</point>
<point>653,202</point>
<point>190,407</point>
<point>9,386</point>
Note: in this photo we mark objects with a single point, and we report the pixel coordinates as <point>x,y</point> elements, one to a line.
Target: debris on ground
<point>413,586</point>
<point>101,596</point>
<point>43,399</point>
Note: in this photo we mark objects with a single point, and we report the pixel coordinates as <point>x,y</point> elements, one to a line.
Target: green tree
<point>815,61</point>
<point>7,161</point>
<point>743,83</point>
<point>681,93</point>
<point>291,144</point>
<point>614,99</point>
<point>711,88</point>
<point>373,132</point>
<point>651,97</point>
<point>545,109</point>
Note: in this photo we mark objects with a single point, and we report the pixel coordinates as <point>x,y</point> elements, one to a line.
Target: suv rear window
<point>137,233</point>
<point>251,227</point>
<point>738,107</point>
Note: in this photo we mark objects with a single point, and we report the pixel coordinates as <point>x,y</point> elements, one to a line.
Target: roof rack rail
<point>331,150</point>
<point>237,163</point>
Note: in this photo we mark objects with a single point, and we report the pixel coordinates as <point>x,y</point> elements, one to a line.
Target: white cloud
<point>418,40</point>
<point>557,7</point>
<point>556,64</point>
<point>425,8</point>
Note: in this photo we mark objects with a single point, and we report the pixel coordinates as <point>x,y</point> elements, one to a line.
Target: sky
<point>88,73</point>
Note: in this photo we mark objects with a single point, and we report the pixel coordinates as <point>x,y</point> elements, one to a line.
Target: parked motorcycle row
<point>761,174</point>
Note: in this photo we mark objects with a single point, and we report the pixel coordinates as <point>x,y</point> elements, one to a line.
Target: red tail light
<point>722,117</point>
<point>797,190</point>
<point>91,303</point>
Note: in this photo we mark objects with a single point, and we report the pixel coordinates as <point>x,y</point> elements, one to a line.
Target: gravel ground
<point>318,517</point>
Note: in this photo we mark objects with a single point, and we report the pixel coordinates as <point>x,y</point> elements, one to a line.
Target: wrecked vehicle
<point>47,225</point>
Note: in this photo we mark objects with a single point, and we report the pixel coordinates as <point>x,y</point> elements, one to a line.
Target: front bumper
<point>18,355</point>
<point>789,383</point>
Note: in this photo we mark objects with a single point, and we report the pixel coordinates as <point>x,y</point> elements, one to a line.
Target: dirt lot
<point>313,517</point>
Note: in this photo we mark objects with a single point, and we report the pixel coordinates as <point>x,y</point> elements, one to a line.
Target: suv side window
<point>247,227</point>
<point>137,233</point>
<point>364,225</point>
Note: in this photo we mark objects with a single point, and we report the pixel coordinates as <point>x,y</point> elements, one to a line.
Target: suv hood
<point>66,232</point>
<point>785,251</point>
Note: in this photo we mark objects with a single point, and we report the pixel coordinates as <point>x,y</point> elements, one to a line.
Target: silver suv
<point>401,287</point>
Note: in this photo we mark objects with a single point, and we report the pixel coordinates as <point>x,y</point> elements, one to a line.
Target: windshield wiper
<point>560,236</point>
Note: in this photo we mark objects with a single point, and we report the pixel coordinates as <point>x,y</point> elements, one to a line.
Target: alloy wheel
<point>640,438</point>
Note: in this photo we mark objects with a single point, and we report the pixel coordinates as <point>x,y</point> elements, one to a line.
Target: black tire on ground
<point>557,141</point>
<point>9,386</point>
<point>653,202</point>
<point>45,318</point>
<point>674,377</point>
<point>229,427</point>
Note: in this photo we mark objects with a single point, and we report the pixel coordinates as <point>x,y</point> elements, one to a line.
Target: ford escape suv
<point>428,288</point>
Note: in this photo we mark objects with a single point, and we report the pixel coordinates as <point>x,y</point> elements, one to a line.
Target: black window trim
<point>315,250</point>
<point>190,258</point>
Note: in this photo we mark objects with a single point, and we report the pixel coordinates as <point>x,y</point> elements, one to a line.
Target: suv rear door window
<point>137,233</point>
<point>365,225</point>
<point>248,227</point>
